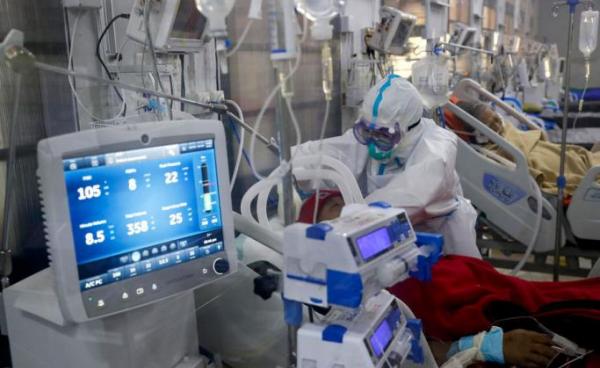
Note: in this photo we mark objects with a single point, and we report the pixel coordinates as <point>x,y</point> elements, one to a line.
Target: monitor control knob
<point>221,266</point>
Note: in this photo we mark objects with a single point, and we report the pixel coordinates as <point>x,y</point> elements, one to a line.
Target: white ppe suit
<point>419,177</point>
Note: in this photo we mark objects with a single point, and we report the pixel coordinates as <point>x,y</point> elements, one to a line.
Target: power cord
<point>99,43</point>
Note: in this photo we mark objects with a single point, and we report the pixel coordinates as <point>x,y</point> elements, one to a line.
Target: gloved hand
<point>528,349</point>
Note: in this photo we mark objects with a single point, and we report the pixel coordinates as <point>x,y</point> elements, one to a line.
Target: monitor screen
<point>469,37</point>
<point>143,210</point>
<point>374,243</point>
<point>381,338</point>
<point>189,22</point>
<point>383,334</point>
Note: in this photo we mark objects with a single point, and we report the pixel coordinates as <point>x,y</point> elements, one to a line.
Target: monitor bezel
<point>52,152</point>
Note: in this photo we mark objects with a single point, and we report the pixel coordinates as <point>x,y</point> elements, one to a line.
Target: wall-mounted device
<point>392,32</point>
<point>175,25</point>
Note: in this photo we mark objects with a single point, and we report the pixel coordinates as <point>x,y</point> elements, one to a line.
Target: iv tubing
<point>238,159</point>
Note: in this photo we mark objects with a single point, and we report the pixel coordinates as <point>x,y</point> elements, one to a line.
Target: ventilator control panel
<point>139,217</point>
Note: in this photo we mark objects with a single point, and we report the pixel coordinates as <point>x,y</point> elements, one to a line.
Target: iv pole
<point>561,181</point>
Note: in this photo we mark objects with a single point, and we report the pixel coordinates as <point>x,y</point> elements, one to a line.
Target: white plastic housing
<point>165,17</point>
<point>75,303</point>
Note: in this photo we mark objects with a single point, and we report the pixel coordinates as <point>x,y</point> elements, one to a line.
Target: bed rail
<point>503,191</point>
<point>584,211</point>
<point>521,168</point>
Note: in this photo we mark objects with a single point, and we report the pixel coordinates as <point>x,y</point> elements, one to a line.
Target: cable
<point>241,39</point>
<point>99,43</point>
<point>537,228</point>
<point>5,251</point>
<point>70,79</point>
<point>576,359</point>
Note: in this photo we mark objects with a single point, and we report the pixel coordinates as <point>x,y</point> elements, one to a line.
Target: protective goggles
<point>384,139</point>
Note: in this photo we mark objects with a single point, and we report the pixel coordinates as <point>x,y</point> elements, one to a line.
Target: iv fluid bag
<point>430,76</point>
<point>318,9</point>
<point>588,32</point>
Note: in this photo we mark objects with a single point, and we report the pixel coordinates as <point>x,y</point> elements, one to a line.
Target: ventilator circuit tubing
<point>337,173</point>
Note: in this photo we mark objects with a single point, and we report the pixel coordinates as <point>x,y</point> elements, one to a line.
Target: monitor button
<point>100,304</point>
<point>221,266</point>
<point>154,287</point>
<point>139,291</point>
<point>125,295</point>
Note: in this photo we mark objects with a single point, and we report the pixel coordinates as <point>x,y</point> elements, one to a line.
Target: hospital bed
<point>506,194</point>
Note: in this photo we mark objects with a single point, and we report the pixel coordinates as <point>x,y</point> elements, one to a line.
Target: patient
<point>467,296</point>
<point>543,156</point>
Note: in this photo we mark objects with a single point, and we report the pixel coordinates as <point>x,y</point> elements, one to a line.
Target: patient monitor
<point>136,218</point>
<point>392,33</point>
<point>175,25</point>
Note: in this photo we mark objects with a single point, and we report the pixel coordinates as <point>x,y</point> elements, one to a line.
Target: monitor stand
<point>160,335</point>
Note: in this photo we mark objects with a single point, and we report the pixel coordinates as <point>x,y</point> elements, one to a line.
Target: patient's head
<point>329,207</point>
<point>483,113</point>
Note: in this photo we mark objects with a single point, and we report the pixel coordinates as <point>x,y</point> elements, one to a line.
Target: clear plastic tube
<point>272,95</point>
<point>238,159</point>
<point>264,109</point>
<point>241,39</point>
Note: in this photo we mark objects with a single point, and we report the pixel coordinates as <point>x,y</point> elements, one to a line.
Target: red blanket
<point>468,295</point>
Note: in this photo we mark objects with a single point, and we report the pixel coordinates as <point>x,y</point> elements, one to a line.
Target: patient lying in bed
<point>543,156</point>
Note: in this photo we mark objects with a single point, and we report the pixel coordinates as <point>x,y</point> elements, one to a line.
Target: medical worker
<point>406,160</point>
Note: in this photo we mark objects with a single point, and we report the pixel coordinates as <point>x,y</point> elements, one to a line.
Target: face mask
<point>378,155</point>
